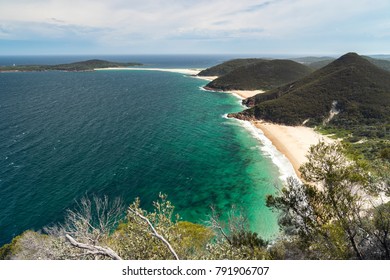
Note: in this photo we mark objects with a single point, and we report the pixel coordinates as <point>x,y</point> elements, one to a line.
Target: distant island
<point>88,65</point>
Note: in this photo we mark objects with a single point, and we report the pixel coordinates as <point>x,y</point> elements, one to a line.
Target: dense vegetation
<point>228,66</point>
<point>339,212</point>
<point>264,74</point>
<point>349,98</point>
<point>88,65</point>
<point>358,90</point>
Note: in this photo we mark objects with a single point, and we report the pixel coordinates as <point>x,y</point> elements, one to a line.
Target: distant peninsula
<point>88,65</point>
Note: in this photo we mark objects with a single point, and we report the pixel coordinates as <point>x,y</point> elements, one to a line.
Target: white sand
<point>174,70</point>
<point>207,78</point>
<point>245,93</point>
<point>292,141</point>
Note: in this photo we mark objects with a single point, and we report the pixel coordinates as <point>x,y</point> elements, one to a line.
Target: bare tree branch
<point>93,249</point>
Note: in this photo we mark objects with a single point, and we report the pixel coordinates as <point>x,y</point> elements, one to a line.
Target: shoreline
<point>242,94</point>
<point>292,141</point>
<point>186,71</point>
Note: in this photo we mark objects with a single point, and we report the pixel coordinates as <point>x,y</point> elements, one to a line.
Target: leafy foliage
<point>233,239</point>
<point>134,240</point>
<point>338,212</point>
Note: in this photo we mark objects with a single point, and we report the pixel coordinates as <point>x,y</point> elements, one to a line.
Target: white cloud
<point>131,22</point>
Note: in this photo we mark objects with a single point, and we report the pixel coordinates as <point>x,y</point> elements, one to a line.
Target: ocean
<point>128,134</point>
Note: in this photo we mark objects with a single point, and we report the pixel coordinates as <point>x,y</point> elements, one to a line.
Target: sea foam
<point>268,149</point>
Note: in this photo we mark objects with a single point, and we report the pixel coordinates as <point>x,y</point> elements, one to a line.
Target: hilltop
<point>355,89</point>
<point>88,65</point>
<point>262,74</point>
<point>228,66</point>
<point>319,62</point>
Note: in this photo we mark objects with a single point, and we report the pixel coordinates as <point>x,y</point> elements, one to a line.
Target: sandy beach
<point>193,72</point>
<point>245,93</point>
<point>292,141</point>
<point>207,78</point>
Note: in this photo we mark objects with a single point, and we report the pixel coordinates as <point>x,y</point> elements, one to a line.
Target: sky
<point>307,27</point>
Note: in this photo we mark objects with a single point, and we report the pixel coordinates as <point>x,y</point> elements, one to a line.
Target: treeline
<point>341,210</point>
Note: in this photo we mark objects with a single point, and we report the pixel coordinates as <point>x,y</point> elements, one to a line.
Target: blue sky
<point>307,27</point>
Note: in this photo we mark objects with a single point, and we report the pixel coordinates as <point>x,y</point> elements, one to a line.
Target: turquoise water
<point>128,134</point>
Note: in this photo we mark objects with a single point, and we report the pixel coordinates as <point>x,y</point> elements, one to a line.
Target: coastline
<point>242,94</point>
<point>192,72</point>
<point>292,141</point>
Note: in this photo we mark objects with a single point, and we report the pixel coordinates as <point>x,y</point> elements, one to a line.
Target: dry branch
<point>93,249</point>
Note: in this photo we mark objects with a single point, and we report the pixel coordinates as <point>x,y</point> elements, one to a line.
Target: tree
<point>98,229</point>
<point>233,238</point>
<point>327,210</point>
<point>158,234</point>
<point>85,230</point>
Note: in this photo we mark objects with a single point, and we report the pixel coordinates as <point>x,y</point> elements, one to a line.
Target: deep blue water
<point>128,134</point>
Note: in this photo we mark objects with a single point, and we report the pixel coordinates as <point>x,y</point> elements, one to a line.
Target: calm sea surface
<point>129,134</point>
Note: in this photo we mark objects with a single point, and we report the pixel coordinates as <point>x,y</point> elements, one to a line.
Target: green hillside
<point>311,59</point>
<point>319,64</point>
<point>264,74</point>
<point>88,65</point>
<point>228,66</point>
<point>351,89</point>
<point>359,91</point>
